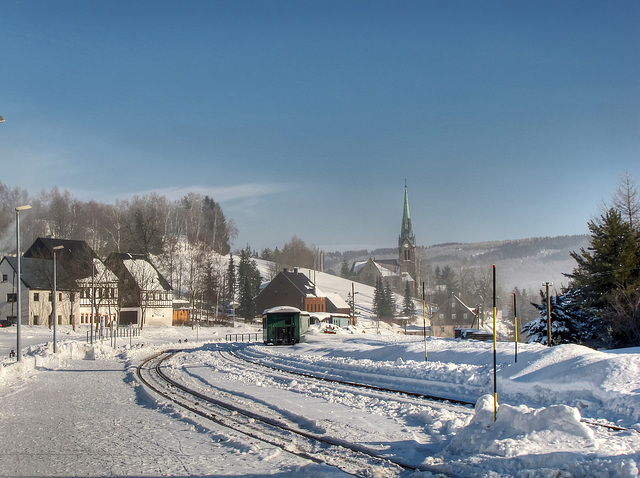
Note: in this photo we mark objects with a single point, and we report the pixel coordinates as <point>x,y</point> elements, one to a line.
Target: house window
<point>12,297</point>
<point>50,297</point>
<point>453,317</point>
<point>36,320</point>
<point>36,297</point>
<point>4,277</point>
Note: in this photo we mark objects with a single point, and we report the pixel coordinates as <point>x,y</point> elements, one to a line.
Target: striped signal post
<point>495,343</point>
<point>515,319</point>
<point>424,324</point>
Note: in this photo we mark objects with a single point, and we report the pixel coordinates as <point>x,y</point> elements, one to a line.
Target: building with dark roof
<point>76,256</point>
<point>126,288</point>
<point>291,288</point>
<point>452,315</point>
<point>36,291</point>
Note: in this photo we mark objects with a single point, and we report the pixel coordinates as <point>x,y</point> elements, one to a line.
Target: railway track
<point>182,383</point>
<point>365,386</point>
<point>256,420</point>
<point>587,421</point>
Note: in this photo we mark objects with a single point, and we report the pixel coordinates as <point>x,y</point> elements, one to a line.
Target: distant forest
<point>147,224</point>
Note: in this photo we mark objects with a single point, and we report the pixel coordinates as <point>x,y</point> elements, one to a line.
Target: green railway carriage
<point>284,325</point>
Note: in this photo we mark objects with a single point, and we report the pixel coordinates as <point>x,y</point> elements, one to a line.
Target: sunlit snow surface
<point>82,413</point>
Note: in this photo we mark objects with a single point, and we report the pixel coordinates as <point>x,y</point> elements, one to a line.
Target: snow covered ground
<point>82,412</point>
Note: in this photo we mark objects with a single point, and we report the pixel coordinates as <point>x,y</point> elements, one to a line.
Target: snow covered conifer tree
<point>248,284</point>
<point>409,309</point>
<point>378,296</point>
<point>570,323</point>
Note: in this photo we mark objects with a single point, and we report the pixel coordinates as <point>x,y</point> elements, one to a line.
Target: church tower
<point>407,242</point>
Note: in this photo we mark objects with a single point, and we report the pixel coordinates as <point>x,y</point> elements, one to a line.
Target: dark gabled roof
<point>300,281</point>
<point>76,257</point>
<point>38,273</point>
<point>455,298</point>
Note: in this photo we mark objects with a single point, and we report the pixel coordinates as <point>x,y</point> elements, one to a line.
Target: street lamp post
<point>55,296</point>
<point>93,274</point>
<point>19,287</point>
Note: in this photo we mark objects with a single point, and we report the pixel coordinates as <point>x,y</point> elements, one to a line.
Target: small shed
<point>341,320</point>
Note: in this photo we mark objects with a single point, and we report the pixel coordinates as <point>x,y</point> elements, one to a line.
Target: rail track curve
<point>254,422</point>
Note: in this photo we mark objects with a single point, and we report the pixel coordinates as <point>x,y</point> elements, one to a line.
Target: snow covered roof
<point>139,268</point>
<point>382,268</point>
<point>281,309</point>
<point>336,300</point>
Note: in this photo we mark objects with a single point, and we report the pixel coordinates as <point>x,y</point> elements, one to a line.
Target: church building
<point>394,272</point>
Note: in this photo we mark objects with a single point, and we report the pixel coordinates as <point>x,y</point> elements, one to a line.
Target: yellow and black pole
<point>515,319</point>
<point>495,342</point>
<point>424,324</point>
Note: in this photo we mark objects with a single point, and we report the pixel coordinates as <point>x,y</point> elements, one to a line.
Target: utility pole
<point>353,304</point>
<point>547,284</point>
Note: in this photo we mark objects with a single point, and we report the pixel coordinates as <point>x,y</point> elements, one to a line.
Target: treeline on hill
<point>189,240</point>
<point>186,237</point>
<point>148,224</point>
<point>601,305</point>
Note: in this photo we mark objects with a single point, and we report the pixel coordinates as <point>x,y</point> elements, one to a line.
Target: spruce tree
<point>612,261</point>
<point>249,284</point>
<point>345,271</point>
<point>378,298</point>
<point>389,303</point>
<point>608,277</point>
<point>569,323</point>
<point>409,309</point>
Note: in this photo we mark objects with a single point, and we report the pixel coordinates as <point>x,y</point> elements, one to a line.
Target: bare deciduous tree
<point>626,200</point>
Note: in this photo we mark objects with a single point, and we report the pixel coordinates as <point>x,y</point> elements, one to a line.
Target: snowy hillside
<point>523,263</point>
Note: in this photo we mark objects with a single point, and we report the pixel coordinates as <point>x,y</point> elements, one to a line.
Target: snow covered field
<point>82,412</point>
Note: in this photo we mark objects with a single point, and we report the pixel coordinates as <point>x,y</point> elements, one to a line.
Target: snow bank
<point>534,440</point>
<point>515,427</point>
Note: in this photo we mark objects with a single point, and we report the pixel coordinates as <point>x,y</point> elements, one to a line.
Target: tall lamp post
<point>54,312</point>
<point>19,287</point>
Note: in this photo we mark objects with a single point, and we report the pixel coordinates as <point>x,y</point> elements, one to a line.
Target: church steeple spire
<point>406,231</point>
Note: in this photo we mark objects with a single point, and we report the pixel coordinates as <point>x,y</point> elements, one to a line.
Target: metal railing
<point>113,333</point>
<point>257,337</point>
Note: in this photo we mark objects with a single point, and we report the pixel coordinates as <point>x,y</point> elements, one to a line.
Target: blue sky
<point>507,119</point>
